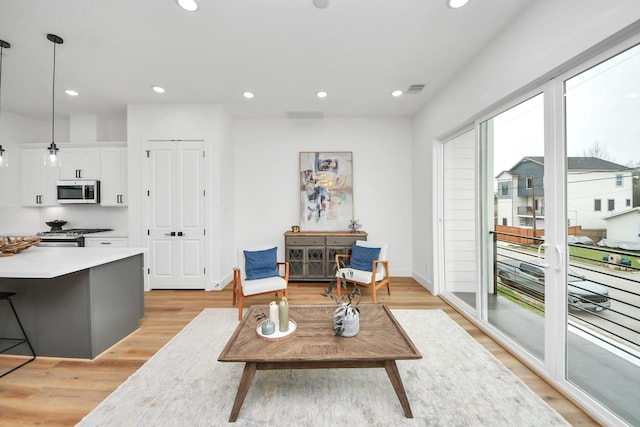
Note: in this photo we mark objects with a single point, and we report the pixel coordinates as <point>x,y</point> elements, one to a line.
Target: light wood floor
<point>59,392</point>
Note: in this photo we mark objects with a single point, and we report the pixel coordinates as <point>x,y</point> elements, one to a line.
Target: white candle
<point>273,313</point>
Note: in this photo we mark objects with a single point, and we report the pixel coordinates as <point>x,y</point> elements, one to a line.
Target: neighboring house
<point>520,194</point>
<point>596,190</point>
<point>505,210</point>
<point>624,226</point>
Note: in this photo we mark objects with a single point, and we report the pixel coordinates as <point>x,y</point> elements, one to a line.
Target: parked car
<point>529,278</point>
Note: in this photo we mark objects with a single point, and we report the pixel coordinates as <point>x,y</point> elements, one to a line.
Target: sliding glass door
<point>540,229</point>
<point>602,108</point>
<point>515,222</point>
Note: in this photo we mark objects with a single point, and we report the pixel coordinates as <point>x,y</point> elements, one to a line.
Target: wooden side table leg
<point>394,375</point>
<point>245,383</point>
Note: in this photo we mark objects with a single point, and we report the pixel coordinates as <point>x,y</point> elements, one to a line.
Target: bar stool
<point>14,342</point>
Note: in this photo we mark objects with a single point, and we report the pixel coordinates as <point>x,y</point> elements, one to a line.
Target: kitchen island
<point>74,301</point>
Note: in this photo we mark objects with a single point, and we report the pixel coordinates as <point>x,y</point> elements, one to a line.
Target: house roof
<point>619,214</point>
<point>579,163</point>
<point>504,175</point>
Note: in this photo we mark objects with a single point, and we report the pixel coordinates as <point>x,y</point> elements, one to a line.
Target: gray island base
<point>79,314</point>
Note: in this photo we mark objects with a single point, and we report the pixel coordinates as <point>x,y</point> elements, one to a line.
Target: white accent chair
<point>244,287</point>
<point>375,279</point>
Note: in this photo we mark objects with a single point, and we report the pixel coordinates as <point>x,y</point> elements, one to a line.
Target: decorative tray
<point>10,246</point>
<point>277,335</point>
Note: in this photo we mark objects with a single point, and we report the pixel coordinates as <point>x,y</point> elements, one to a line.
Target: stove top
<point>72,232</point>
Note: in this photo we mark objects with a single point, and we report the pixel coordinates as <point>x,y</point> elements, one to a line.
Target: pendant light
<point>52,158</point>
<point>4,161</point>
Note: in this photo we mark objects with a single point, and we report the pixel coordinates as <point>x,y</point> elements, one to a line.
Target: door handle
<point>560,255</point>
<point>180,233</point>
<point>540,259</point>
<point>172,234</point>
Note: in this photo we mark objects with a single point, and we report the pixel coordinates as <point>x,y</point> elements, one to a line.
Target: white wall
<point>222,172</point>
<point>547,35</point>
<point>267,186</point>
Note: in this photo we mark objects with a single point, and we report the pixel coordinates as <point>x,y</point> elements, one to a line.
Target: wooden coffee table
<point>380,342</point>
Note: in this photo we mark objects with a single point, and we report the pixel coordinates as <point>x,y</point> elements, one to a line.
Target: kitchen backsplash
<point>22,220</point>
<point>17,220</point>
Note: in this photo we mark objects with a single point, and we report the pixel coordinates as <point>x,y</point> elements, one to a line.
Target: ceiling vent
<point>415,89</point>
<point>305,114</point>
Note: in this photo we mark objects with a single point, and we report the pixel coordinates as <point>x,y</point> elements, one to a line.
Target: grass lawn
<point>520,299</point>
<point>594,256</point>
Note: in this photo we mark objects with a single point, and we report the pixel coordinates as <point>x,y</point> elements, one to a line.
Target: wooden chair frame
<point>239,296</point>
<point>373,284</point>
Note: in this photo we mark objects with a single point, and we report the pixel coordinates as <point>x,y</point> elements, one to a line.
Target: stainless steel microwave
<point>78,191</point>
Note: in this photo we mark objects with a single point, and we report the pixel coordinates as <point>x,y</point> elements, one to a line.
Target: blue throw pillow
<point>362,257</point>
<point>261,264</point>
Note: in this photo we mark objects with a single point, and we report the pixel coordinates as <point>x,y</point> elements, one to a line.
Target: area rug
<point>456,383</point>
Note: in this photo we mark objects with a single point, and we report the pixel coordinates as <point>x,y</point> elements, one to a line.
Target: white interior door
<point>176,215</point>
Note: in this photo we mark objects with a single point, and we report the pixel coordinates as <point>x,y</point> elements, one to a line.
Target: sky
<point>602,106</point>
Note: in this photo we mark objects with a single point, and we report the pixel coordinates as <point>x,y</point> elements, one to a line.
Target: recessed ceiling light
<point>321,4</point>
<point>454,4</point>
<point>188,5</point>
<point>322,94</point>
<point>157,89</point>
<point>247,94</point>
<point>71,92</point>
<point>396,93</point>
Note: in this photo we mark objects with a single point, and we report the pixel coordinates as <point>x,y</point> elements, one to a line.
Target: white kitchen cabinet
<point>80,163</point>
<point>93,242</point>
<point>37,181</point>
<point>113,176</point>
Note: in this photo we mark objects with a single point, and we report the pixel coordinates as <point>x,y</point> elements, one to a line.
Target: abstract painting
<point>326,191</point>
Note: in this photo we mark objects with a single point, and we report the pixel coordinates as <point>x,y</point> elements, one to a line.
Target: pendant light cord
<point>52,148</point>
<point>53,98</point>
<point>1,55</point>
<point>3,45</point>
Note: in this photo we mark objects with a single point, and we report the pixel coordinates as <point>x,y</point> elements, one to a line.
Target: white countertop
<point>48,262</point>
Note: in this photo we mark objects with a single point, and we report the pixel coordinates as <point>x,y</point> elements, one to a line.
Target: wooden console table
<point>312,254</point>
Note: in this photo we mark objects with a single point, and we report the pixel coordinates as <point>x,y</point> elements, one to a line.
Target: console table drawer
<point>343,240</point>
<point>305,240</point>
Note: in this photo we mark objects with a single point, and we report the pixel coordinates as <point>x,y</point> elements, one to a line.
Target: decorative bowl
<point>10,246</point>
<point>56,224</point>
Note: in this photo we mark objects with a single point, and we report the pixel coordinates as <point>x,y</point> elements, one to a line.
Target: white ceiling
<point>282,50</point>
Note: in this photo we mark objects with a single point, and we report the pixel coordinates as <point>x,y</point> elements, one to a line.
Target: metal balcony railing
<point>528,210</point>
<point>613,316</point>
